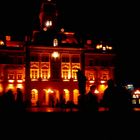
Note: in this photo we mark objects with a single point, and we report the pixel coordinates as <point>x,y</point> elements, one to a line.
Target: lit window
<point>19,86</point>
<point>1,88</point>
<point>11,76</point>
<point>65,72</point>
<point>74,74</point>
<point>66,95</point>
<point>8,38</point>
<point>34,96</point>
<point>139,101</point>
<point>75,96</point>
<point>19,76</point>
<point>48,23</point>
<point>104,77</point>
<point>45,74</point>
<point>34,74</point>
<point>55,42</point>
<point>137,92</point>
<point>10,86</point>
<point>74,71</point>
<point>91,76</point>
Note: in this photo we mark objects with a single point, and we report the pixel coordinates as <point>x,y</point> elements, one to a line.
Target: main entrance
<point>52,97</point>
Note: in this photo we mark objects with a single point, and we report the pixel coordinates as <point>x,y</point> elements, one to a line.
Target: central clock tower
<point>48,15</point>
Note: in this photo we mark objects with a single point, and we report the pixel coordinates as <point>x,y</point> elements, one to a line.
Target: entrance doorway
<point>34,97</point>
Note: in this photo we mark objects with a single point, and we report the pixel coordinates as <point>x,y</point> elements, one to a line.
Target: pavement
<point>51,109</point>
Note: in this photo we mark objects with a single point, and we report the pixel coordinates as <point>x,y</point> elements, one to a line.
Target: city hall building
<point>44,65</point>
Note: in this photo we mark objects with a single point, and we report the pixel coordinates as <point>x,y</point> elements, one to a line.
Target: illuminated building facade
<point>45,66</point>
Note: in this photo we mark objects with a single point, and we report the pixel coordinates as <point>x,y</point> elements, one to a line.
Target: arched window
<point>34,96</point>
<point>55,42</point>
<point>75,96</point>
<point>66,95</point>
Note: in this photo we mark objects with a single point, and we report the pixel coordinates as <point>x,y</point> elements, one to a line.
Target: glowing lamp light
<point>96,91</point>
<point>50,91</point>
<point>98,47</point>
<point>62,30</point>
<point>1,42</point>
<point>91,82</point>
<point>45,28</point>
<point>130,87</point>
<point>69,33</point>
<point>55,55</point>
<point>103,81</point>
<point>10,86</point>
<point>48,23</point>
<point>19,81</point>
<point>107,47</point>
<point>135,96</point>
<point>19,86</point>
<point>1,88</point>
<point>11,81</point>
<point>137,92</point>
<point>110,48</point>
<point>104,48</point>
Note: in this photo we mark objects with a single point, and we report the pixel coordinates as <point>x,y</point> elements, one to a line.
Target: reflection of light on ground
<point>50,109</point>
<point>136,109</point>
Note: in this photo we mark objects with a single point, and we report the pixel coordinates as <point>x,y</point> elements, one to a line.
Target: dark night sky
<point>114,20</point>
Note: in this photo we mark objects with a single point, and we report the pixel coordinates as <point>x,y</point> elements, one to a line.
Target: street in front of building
<point>51,109</point>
